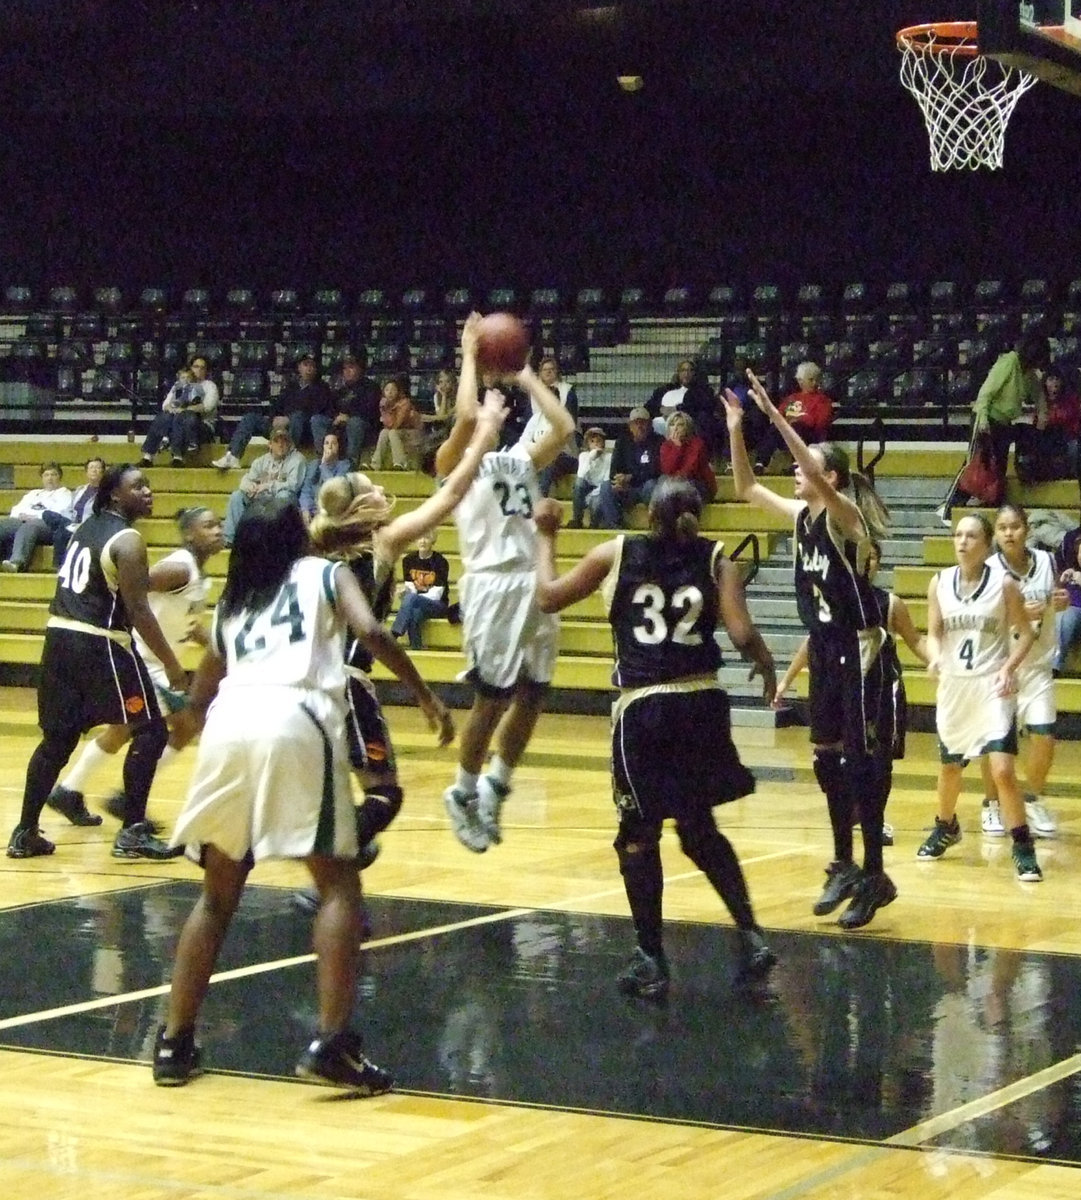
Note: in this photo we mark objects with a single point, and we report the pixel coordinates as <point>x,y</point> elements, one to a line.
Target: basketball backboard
<point>1042,37</point>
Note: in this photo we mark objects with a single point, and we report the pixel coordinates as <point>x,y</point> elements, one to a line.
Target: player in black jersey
<point>353,524</point>
<point>91,674</point>
<point>852,681</point>
<point>667,594</point>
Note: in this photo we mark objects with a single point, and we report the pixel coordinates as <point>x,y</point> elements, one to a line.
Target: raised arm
<point>747,487</point>
<point>404,530</point>
<point>466,405</point>
<point>844,512</point>
<point>560,422</point>
<point>553,593</point>
<point>732,600</point>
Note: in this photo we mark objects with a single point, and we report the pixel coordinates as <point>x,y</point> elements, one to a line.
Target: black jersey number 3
<point>665,617</point>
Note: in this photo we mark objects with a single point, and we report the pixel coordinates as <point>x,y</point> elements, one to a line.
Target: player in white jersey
<point>510,645</point>
<point>1034,572</point>
<point>177,596</point>
<point>971,612</point>
<point>272,777</point>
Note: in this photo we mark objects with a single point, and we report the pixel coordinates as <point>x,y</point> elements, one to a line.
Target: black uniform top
<point>379,596</point>
<point>359,400</point>
<point>86,586</point>
<point>663,610</point>
<point>833,594</point>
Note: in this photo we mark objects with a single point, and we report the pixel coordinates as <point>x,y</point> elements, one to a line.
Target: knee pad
<point>828,771</point>
<point>637,846</point>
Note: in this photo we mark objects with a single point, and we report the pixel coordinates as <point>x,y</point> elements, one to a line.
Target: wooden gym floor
<point>936,1053</point>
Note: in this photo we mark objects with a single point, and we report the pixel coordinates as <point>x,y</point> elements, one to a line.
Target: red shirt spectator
<point>686,455</point>
<point>1063,405</point>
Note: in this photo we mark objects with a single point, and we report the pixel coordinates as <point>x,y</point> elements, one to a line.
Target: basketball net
<point>966,98</point>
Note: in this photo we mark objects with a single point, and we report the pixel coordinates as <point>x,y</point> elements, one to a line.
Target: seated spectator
<point>684,455</point>
<point>34,519</point>
<point>594,465</point>
<point>635,469</point>
<point>424,592</point>
<point>82,505</point>
<point>356,400</point>
<point>278,473</point>
<point>187,414</point>
<point>537,426</point>
<point>692,394</point>
<point>399,441</point>
<point>808,410</point>
<point>438,415</point>
<point>1064,414</point>
<point>329,466</point>
<point>305,402</point>
<point>1068,620</point>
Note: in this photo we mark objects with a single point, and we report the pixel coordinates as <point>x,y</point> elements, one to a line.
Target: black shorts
<point>851,704</point>
<point>673,755</point>
<point>370,748</point>
<point>87,680</point>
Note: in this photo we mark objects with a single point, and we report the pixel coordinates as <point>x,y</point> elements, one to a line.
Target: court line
<point>281,964</point>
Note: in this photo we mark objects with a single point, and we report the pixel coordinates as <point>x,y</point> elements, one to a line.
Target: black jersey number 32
<point>666,617</point>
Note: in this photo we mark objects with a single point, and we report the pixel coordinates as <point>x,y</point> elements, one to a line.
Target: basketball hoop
<point>966,98</point>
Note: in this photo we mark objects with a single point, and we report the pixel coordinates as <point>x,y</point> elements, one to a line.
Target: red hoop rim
<point>940,37</point>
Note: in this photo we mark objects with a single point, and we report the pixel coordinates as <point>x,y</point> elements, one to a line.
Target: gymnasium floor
<point>935,1052</point>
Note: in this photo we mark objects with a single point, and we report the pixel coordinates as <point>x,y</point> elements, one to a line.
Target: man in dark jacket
<point>309,403</point>
<point>636,467</point>
<point>356,404</point>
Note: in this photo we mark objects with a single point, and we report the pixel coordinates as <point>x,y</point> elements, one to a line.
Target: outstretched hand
<point>733,409</point>
<point>440,722</point>
<point>769,680</point>
<point>759,393</point>
<point>493,412</point>
<point>548,516</point>
<point>469,334</point>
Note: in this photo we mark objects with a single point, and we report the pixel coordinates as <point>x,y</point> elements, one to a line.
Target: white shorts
<point>272,778</point>
<point>1036,707</point>
<point>505,636</point>
<point>971,719</point>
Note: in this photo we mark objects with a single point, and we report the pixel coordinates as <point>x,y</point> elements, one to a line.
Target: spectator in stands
<point>424,592</point>
<point>1068,620</point>
<point>691,393</point>
<point>399,441</point>
<point>684,456</point>
<point>82,505</point>
<point>328,466</point>
<point>635,469</point>
<point>537,426</point>
<point>309,402</point>
<point>808,410</point>
<point>187,414</point>
<point>1064,414</point>
<point>278,473</point>
<point>594,466</point>
<point>1015,379</point>
<point>438,416</point>
<point>356,400</point>
<point>34,519</point>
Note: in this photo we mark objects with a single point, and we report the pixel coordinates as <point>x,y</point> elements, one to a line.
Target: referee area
<point>934,1050</point>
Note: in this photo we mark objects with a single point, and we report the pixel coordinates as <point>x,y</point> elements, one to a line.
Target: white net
<point>966,99</point>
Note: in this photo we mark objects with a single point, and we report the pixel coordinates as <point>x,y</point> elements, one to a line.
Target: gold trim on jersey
<point>670,687</point>
<point>120,636</point>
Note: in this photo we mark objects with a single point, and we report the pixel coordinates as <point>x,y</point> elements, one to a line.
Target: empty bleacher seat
<point>241,300</point>
<point>724,299</point>
<point>1037,293</point>
<point>961,387</point>
<point>293,351</point>
<point>868,388</point>
<point>715,356</point>
<point>572,358</point>
<point>865,326</point>
<point>592,301</point>
<point>900,296</point>
<point>215,353</point>
<point>766,298</point>
<point>756,354</point>
<point>109,384</point>
<point>1000,326</point>
<point>386,358</point>
<point>501,299</point>
<point>63,299</point>
<point>890,354</point>
<point>938,353</point>
<point>432,356</point>
<point>371,302</point>
<point>634,301</point>
<point>432,329</point>
<point>18,298</point>
<point>88,327</point>
<point>917,386</point>
<point>793,353</point>
<point>285,301</point>
<point>989,293</point>
<point>121,355</point>
<point>912,324</point>
<point>677,301</point>
<point>28,362</point>
<point>249,386</point>
<point>195,300</point>
<point>856,297</point>
<point>148,383</point>
<point>608,329</point>
<point>257,354</point>
<point>812,298</point>
<point>976,353</point>
<point>44,327</point>
<point>736,326</point>
<point>108,300</point>
<point>820,327</point>
<point>458,301</point>
<point>163,356</point>
<point>414,301</point>
<point>545,301</point>
<point>154,300</point>
<point>845,356</point>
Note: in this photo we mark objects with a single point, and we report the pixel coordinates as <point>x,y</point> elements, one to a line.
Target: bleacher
<point>912,356</point>
<point>911,479</point>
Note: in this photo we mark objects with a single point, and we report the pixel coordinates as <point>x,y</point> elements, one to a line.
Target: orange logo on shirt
<point>376,751</point>
<point>134,704</point>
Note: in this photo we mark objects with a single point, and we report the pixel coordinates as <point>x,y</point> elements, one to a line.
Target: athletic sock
<point>466,782</point>
<point>500,772</point>
<point>87,763</point>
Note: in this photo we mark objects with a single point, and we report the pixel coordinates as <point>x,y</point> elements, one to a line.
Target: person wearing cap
<point>309,403</point>
<point>356,404</point>
<point>594,465</point>
<point>276,474</point>
<point>635,469</point>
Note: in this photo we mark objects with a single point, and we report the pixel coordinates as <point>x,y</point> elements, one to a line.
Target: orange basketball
<point>502,343</point>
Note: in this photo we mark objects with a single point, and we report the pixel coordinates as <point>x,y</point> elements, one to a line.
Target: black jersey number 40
<point>667,618</point>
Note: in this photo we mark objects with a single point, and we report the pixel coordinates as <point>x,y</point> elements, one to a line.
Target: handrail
<point>751,539</point>
<point>878,429</point>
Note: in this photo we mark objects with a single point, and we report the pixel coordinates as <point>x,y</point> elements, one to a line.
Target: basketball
<point>502,343</point>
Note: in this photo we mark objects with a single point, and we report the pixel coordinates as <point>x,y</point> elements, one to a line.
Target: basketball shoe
<point>136,841</point>
<point>28,843</point>
<point>176,1059</point>
<point>841,878</point>
<point>646,976</point>
<point>1039,817</point>
<point>991,818</point>
<point>1024,859</point>
<point>490,798</point>
<point>873,890</point>
<point>944,835</point>
<point>71,804</point>
<point>465,819</point>
<point>339,1061</point>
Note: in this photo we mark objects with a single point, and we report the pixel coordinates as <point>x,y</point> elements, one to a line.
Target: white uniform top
<point>177,611</point>
<point>297,641</point>
<point>495,518</point>
<point>975,629</point>
<point>1037,584</point>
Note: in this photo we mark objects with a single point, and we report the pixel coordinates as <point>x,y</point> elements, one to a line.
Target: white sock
<point>499,772</point>
<point>465,782</point>
<point>88,762</point>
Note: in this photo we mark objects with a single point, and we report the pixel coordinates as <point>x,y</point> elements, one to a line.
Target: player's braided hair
<point>674,510</point>
<point>350,509</point>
